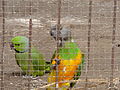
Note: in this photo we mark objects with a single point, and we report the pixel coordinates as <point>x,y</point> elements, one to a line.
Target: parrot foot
<point>18,73</point>
<point>47,71</point>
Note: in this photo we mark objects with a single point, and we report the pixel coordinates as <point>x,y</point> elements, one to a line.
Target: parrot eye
<point>17,44</point>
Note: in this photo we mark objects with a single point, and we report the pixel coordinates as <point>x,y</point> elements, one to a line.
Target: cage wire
<point>94,26</point>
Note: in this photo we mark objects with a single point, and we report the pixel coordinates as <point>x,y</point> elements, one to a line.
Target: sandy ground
<point>75,17</point>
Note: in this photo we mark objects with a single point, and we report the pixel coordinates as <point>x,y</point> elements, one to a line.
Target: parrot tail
<point>48,65</point>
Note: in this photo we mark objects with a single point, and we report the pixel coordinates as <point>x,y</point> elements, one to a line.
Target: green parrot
<point>37,66</point>
<point>68,61</point>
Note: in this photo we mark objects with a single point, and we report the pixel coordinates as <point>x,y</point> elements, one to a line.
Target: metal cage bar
<point>30,41</point>
<point>89,39</point>
<point>113,47</point>
<point>3,45</point>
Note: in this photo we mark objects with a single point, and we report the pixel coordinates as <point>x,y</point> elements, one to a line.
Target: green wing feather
<point>38,65</point>
<point>69,51</point>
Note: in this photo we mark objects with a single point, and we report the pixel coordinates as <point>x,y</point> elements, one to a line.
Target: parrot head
<point>20,44</point>
<point>64,35</point>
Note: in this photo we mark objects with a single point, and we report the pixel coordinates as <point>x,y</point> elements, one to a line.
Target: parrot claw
<point>57,61</point>
<point>18,73</point>
<point>53,67</point>
<point>47,71</point>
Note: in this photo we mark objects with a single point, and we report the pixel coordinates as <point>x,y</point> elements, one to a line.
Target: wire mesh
<point>3,44</point>
<point>94,25</point>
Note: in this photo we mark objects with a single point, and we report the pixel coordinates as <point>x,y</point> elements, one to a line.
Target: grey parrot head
<point>64,35</point>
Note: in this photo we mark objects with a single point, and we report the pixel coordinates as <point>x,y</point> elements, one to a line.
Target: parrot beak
<point>11,46</point>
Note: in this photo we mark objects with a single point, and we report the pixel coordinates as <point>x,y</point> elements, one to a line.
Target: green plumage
<point>69,51</point>
<point>69,55</point>
<point>37,66</point>
<point>68,58</point>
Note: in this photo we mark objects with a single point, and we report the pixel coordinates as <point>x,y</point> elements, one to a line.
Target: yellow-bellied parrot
<point>68,60</point>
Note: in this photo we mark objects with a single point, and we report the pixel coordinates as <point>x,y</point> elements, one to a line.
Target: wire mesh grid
<point>94,25</point>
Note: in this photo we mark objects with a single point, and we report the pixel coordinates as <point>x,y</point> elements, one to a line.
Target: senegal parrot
<point>37,66</point>
<point>68,60</point>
